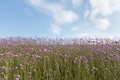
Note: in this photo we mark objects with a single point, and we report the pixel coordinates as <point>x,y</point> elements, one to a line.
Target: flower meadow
<point>59,59</point>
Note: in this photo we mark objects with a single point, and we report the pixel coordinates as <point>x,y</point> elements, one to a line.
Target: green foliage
<point>60,63</point>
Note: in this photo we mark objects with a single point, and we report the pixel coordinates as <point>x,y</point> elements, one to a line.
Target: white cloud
<point>60,15</point>
<point>75,28</point>
<point>101,10</point>
<point>86,14</point>
<point>105,7</point>
<point>102,23</point>
<point>84,35</point>
<point>76,2</point>
<point>36,3</point>
<point>97,11</point>
<point>101,7</point>
<point>55,29</point>
<point>64,1</point>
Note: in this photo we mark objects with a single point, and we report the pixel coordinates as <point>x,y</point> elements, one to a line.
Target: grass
<point>60,62</point>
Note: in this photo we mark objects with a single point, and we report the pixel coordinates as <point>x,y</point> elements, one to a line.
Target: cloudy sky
<point>60,18</point>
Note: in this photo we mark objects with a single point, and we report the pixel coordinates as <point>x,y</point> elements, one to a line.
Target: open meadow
<point>59,59</point>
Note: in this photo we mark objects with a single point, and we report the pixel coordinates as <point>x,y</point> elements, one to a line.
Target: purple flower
<point>84,59</point>
<point>17,79</point>
<point>36,56</point>
<point>118,49</point>
<point>1,54</point>
<point>27,54</point>
<point>77,59</point>
<point>40,50</point>
<point>45,50</point>
<point>9,54</point>
<point>4,68</point>
<point>100,51</point>
<point>16,56</point>
<point>30,49</point>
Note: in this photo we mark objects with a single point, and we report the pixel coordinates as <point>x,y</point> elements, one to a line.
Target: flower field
<point>47,59</point>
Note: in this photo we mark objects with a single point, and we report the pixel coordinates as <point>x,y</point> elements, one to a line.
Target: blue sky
<point>60,18</point>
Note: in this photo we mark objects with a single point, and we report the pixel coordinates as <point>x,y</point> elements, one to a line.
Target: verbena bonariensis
<point>59,59</point>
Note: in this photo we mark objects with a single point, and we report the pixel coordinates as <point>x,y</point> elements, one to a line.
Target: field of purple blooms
<point>59,59</point>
